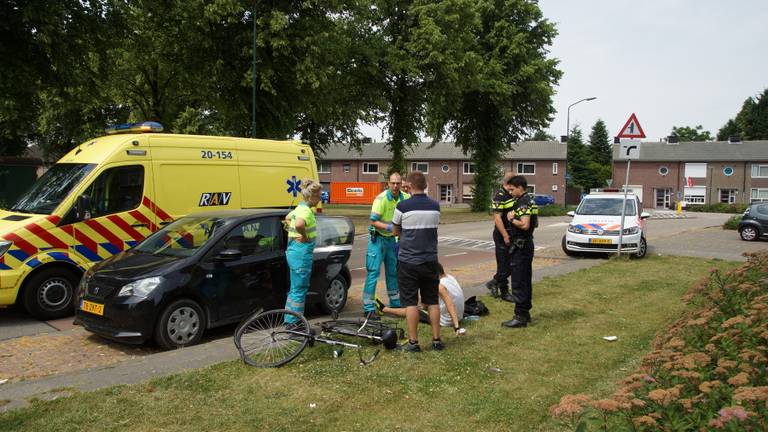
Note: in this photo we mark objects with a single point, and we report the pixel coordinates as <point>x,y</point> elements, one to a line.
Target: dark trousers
<point>502,262</point>
<point>521,268</point>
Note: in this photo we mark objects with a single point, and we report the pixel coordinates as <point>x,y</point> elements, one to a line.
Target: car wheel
<point>49,293</point>
<point>335,295</point>
<point>749,233</point>
<point>565,249</point>
<point>642,248</point>
<point>181,324</point>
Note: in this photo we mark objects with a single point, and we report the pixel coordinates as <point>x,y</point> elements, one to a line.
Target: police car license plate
<point>600,241</point>
<point>94,308</point>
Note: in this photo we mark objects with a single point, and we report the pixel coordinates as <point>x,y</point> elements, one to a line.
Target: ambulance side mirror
<point>83,207</point>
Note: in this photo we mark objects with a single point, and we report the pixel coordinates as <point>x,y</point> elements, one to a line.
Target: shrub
<point>732,223</point>
<point>706,372</point>
<point>717,208</point>
<point>554,210</point>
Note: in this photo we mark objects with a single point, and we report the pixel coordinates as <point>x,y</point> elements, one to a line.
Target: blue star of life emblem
<point>294,186</point>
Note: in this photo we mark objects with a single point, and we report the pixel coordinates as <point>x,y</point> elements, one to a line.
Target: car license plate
<point>600,241</point>
<point>94,308</point>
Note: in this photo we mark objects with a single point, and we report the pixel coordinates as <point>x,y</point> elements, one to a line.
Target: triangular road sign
<point>632,129</point>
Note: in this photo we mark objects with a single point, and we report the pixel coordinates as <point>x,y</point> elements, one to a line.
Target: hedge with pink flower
<point>706,372</point>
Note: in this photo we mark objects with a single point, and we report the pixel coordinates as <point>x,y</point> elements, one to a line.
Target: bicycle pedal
<point>338,353</point>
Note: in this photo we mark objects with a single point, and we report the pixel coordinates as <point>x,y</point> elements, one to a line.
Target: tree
<point>751,122</point>
<point>687,133</point>
<point>541,135</point>
<point>503,86</point>
<point>578,160</point>
<point>600,147</point>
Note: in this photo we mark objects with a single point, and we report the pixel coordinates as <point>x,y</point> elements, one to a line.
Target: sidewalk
<point>131,368</point>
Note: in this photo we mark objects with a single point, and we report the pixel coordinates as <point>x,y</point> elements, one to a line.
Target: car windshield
<point>182,238</point>
<point>605,207</point>
<point>51,188</point>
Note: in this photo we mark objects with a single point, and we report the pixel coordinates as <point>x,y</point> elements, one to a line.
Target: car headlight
<point>4,246</point>
<point>575,229</point>
<point>140,288</point>
<point>631,230</point>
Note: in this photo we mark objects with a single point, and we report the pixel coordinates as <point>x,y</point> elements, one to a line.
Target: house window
<point>728,171</point>
<point>467,192</point>
<point>346,167</point>
<point>370,167</point>
<point>554,168</point>
<point>663,171</point>
<point>728,196</point>
<point>469,167</point>
<point>759,171</point>
<point>531,188</point>
<point>759,194</point>
<point>696,170</point>
<point>526,168</point>
<point>420,166</point>
<point>445,168</point>
<point>323,167</point>
<point>695,195</point>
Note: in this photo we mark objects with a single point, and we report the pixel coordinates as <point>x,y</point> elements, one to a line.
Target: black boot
<point>493,287</point>
<point>519,321</point>
<point>505,295</point>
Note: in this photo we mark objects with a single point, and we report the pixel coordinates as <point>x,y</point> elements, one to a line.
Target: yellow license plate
<point>600,241</point>
<point>94,308</point>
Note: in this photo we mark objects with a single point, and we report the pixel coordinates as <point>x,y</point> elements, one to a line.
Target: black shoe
<point>493,287</point>
<point>515,323</point>
<point>410,347</point>
<point>437,345</point>
<point>371,316</point>
<point>507,297</point>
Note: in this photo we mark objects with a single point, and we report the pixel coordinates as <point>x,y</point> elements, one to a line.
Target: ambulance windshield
<point>51,188</point>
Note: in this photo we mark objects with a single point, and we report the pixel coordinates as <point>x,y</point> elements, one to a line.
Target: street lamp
<point>568,125</point>
<point>253,99</point>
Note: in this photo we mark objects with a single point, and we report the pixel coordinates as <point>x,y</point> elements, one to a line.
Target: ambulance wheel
<point>335,296</point>
<point>181,324</point>
<point>48,294</point>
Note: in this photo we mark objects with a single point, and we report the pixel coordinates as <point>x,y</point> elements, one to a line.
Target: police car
<point>597,221</point>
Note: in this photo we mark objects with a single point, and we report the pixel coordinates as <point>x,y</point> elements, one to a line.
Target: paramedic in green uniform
<point>382,247</point>
<point>302,230</point>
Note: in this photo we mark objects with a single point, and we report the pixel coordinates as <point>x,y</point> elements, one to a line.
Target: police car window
<point>116,190</point>
<point>254,237</point>
<point>605,207</point>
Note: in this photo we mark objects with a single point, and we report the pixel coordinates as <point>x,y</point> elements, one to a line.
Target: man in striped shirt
<point>415,220</point>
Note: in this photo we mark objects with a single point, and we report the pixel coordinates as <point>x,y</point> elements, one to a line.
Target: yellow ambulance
<point>109,193</point>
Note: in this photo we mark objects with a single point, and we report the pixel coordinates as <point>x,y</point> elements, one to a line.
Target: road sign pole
<point>624,206</point>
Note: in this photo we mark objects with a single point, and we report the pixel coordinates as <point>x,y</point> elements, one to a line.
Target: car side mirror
<point>645,215</point>
<point>229,255</point>
<point>83,207</point>
<point>571,213</point>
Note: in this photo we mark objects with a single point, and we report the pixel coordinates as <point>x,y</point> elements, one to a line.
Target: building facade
<point>450,173</point>
<point>696,172</point>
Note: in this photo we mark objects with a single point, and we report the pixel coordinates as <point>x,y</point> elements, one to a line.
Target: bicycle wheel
<point>266,340</point>
<point>373,330</point>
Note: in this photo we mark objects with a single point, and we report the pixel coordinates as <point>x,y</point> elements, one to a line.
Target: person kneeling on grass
<point>451,304</point>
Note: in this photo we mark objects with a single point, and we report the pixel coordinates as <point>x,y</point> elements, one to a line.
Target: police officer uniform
<point>499,286</point>
<point>521,260</point>
<point>382,249</point>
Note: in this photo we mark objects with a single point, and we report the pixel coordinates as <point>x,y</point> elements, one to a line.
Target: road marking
<point>556,224</point>
<point>455,254</point>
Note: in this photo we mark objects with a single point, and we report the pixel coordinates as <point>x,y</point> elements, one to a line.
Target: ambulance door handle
<point>139,225</point>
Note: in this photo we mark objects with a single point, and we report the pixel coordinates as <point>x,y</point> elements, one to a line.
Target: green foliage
<point>600,147</point>
<point>578,159</point>
<point>717,208</point>
<point>732,223</point>
<point>751,122</point>
<point>555,210</point>
<point>541,135</point>
<point>687,133</point>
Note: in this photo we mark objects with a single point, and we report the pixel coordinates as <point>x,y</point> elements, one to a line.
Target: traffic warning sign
<point>632,129</point>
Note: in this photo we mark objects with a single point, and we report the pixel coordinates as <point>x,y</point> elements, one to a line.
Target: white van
<point>597,221</point>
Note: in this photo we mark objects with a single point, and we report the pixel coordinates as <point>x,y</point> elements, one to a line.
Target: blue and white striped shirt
<point>418,218</point>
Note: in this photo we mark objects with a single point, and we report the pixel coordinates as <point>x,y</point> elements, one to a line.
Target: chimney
<point>563,139</point>
<point>673,139</point>
<point>734,139</point>
<point>616,140</point>
<point>366,140</point>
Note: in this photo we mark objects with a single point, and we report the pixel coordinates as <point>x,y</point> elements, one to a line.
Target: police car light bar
<point>148,126</point>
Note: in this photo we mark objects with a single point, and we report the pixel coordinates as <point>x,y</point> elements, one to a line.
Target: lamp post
<point>568,117</point>
<point>253,99</point>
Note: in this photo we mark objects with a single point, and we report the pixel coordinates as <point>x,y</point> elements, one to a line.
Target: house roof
<point>526,150</point>
<point>702,151</point>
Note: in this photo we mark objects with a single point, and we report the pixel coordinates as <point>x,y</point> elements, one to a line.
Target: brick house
<point>696,172</point>
<point>449,172</point>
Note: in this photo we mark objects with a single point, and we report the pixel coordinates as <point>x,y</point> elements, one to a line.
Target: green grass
<point>491,379</point>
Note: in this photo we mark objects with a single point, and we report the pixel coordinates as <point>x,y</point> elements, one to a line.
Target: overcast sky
<point>672,62</point>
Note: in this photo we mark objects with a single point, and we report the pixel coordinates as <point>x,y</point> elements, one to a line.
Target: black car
<point>754,223</point>
<point>207,270</point>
